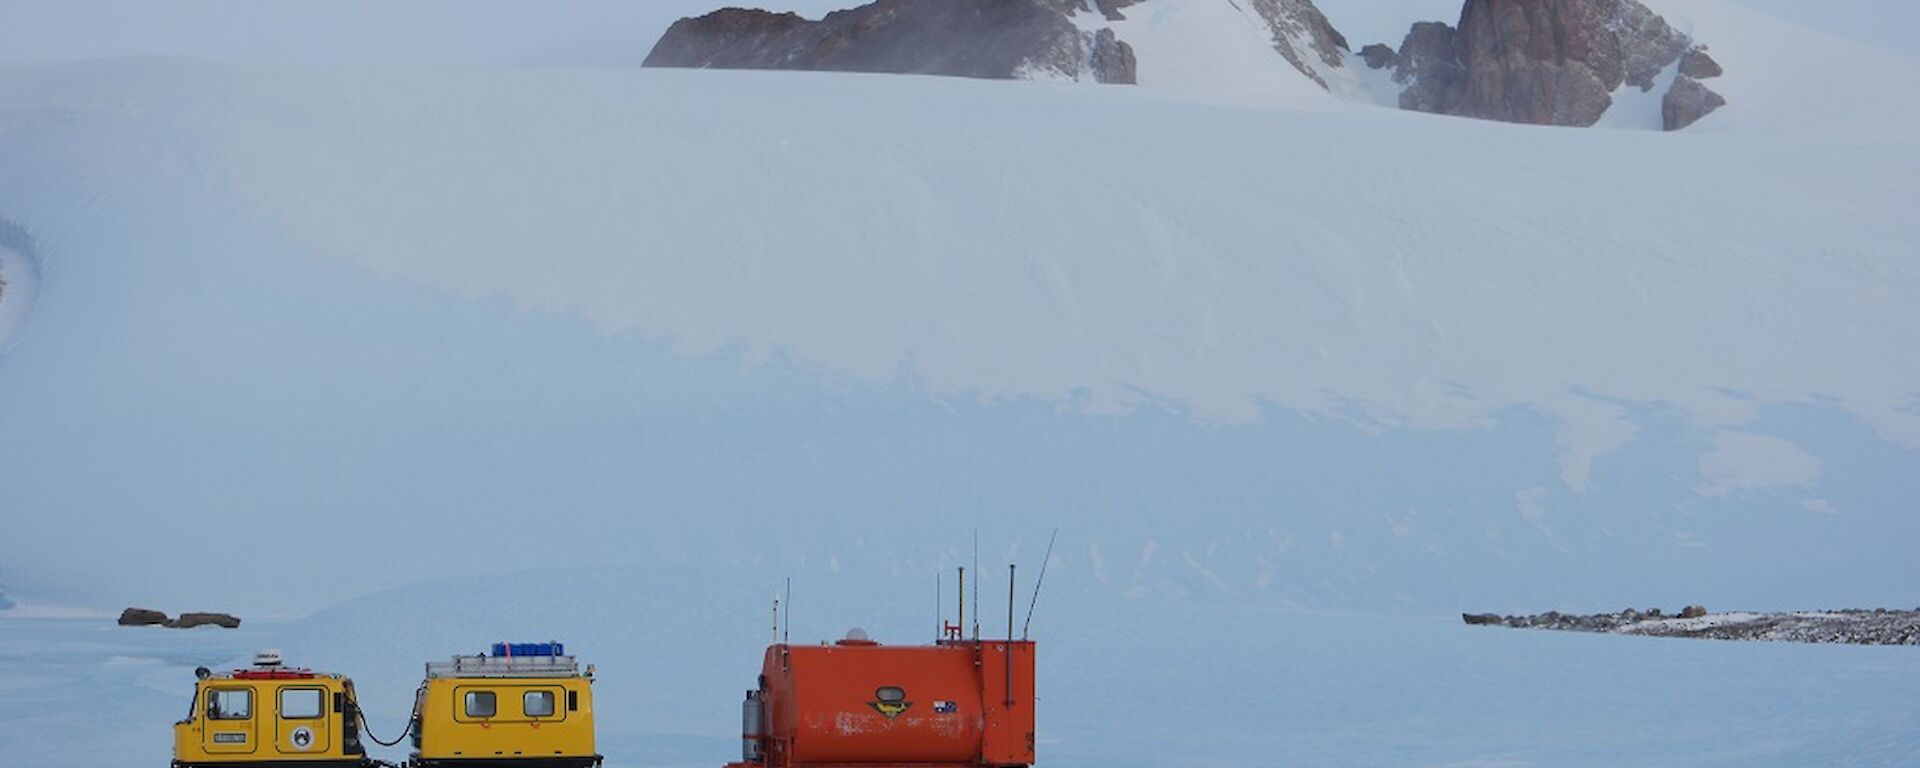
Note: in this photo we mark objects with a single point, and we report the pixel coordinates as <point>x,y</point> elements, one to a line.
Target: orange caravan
<point>859,704</point>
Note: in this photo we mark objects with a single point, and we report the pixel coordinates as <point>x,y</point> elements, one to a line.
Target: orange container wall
<point>829,704</point>
<point>1009,730</point>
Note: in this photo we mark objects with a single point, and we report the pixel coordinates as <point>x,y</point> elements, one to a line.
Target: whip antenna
<point>976,587</point>
<point>1037,582</point>
<point>786,622</point>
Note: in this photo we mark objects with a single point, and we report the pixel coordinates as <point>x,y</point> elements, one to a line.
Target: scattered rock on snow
<point>1301,34</point>
<point>1478,619</point>
<point>1693,612</point>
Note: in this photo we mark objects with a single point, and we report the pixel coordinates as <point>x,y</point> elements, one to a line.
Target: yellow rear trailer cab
<point>270,717</point>
<point>525,706</point>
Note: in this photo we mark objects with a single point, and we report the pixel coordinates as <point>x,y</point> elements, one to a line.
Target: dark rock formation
<point>1111,8</point>
<point>1430,68</point>
<point>1548,62</point>
<point>1859,627</point>
<point>1698,65</point>
<point>1379,56</point>
<point>142,617</point>
<point>191,620</point>
<point>968,38</point>
<point>1111,60</point>
<point>1686,102</point>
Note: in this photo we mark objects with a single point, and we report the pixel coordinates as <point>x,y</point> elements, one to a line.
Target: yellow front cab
<point>525,706</point>
<point>270,716</point>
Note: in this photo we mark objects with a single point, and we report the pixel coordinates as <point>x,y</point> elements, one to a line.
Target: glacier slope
<point>1332,356</point>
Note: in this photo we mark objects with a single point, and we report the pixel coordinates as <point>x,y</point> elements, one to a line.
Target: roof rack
<point>505,666</point>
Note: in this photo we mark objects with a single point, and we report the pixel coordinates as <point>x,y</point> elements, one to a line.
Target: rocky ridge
<point>996,39</point>
<point>1546,62</point>
<point>1854,626</point>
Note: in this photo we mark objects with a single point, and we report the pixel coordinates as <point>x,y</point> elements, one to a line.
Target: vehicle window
<point>538,703</point>
<point>300,703</point>
<point>480,704</point>
<point>229,704</point>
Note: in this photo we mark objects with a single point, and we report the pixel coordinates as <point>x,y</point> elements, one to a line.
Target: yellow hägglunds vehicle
<point>270,716</point>
<point>528,705</point>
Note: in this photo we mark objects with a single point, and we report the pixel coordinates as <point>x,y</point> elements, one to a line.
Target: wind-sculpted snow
<point>1324,356</point>
<point>1373,279</point>
<point>19,282</point>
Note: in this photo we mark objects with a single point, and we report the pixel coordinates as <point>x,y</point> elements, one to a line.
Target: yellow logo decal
<point>891,709</point>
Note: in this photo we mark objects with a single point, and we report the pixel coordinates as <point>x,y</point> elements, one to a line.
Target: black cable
<point>412,720</point>
<point>368,732</point>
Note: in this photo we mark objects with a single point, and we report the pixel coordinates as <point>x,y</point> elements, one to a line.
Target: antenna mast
<point>786,626</point>
<point>1037,582</point>
<point>954,632</point>
<point>976,587</point>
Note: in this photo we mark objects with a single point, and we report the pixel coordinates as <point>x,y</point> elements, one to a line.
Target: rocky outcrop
<point>1379,56</point>
<point>1857,627</point>
<point>147,617</point>
<point>1111,8</point>
<point>999,39</point>
<point>1695,63</point>
<point>142,617</point>
<point>191,620</point>
<point>1429,69</point>
<point>1546,62</point>
<point>1686,102</point>
<point>1112,61</point>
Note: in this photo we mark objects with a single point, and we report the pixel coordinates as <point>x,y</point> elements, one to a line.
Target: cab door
<point>232,720</point>
<point>302,721</point>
